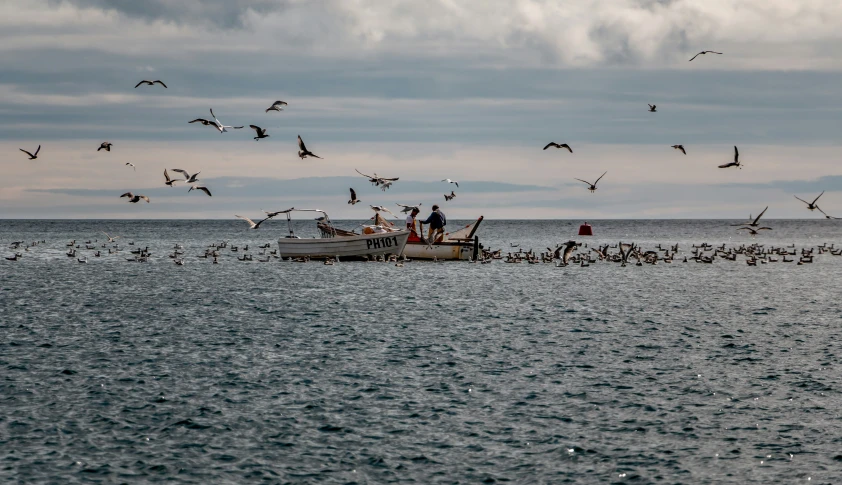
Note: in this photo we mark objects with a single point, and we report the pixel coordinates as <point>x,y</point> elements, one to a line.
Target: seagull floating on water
<point>276,106</point>
<point>134,199</point>
<point>151,83</point>
<point>562,145</point>
<point>592,186</point>
<point>736,162</point>
<point>680,147</point>
<point>32,156</point>
<point>353,200</point>
<point>303,152</point>
<point>703,53</point>
<point>105,145</point>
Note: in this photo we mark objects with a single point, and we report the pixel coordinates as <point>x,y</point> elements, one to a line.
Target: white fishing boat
<point>335,243</point>
<point>462,244</point>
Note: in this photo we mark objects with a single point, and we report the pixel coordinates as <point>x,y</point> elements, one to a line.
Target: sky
<point>469,90</point>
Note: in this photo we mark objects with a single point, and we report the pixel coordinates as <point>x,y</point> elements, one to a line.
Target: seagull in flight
<point>592,186</point>
<point>703,53</point>
<point>563,145</point>
<point>151,83</point>
<point>134,199</point>
<point>449,197</point>
<point>652,108</point>
<point>378,208</point>
<point>168,181</point>
<point>376,180</point>
<point>736,162</point>
<point>451,182</point>
<point>753,223</point>
<point>303,152</point>
<point>353,200</point>
<point>408,208</point>
<point>32,156</point>
<point>276,106</point>
<point>252,224</point>
<point>811,205</point>
<point>199,187</point>
<point>680,147</point>
<point>754,232</point>
<point>203,121</point>
<point>111,239</point>
<point>105,145</point>
<point>130,164</point>
<point>220,126</point>
<point>261,132</point>
<point>187,177</point>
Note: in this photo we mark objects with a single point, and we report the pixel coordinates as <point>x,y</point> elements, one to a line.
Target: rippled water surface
<point>453,372</point>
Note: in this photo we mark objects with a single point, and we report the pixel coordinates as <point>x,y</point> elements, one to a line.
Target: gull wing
<point>182,172</point>
<point>37,150</point>
<point>301,144</point>
<point>551,144</point>
<point>251,222</point>
<point>736,154</point>
<point>817,198</point>
<point>364,175</point>
<point>256,128</point>
<point>726,165</point>
<point>761,215</point>
<point>697,55</point>
<point>24,151</point>
<point>565,145</point>
<point>158,81</point>
<point>128,194</point>
<point>138,84</point>
<point>802,200</point>
<point>600,178</point>
<point>580,180</point>
<point>205,190</point>
<point>353,195</point>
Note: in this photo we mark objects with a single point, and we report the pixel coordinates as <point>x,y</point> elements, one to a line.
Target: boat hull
<point>364,246</point>
<point>442,251</point>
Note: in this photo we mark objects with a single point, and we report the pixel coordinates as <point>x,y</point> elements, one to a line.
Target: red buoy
<point>585,230</point>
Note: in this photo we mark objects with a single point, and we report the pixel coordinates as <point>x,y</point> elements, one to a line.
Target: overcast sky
<point>423,90</point>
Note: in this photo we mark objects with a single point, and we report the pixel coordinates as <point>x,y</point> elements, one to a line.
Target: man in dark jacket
<point>437,221</point>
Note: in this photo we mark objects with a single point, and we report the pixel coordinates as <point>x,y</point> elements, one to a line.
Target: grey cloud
<point>228,14</point>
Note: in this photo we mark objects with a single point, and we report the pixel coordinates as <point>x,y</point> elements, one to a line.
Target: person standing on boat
<point>437,221</point>
<point>410,220</point>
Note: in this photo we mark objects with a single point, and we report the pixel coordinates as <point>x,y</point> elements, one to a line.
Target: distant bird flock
<point>384,183</point>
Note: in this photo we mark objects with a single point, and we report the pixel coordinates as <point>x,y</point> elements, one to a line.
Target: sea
<point>431,372</point>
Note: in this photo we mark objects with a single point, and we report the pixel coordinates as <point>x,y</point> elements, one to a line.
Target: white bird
<point>451,182</point>
<point>408,208</point>
<point>220,126</point>
<point>32,156</point>
<point>199,187</point>
<point>378,208</point>
<point>703,53</point>
<point>151,83</point>
<point>276,106</point>
<point>252,224</point>
<point>131,165</point>
<point>187,177</point>
<point>111,239</point>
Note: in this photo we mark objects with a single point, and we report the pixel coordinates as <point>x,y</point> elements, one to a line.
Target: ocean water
<point>450,372</point>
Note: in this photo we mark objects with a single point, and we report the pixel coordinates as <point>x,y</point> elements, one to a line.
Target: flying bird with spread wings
<point>134,199</point>
<point>276,106</point>
<point>736,162</point>
<point>199,187</point>
<point>557,145</point>
<point>592,186</point>
<point>354,199</point>
<point>680,147</point>
<point>261,132</point>
<point>380,208</point>
<point>218,124</point>
<point>303,152</point>
<point>755,221</point>
<point>703,53</point>
<point>811,205</point>
<point>32,156</point>
<point>382,182</point>
<point>151,83</point>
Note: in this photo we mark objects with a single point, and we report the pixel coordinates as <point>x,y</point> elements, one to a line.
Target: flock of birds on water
<point>562,255</point>
<point>752,226</point>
